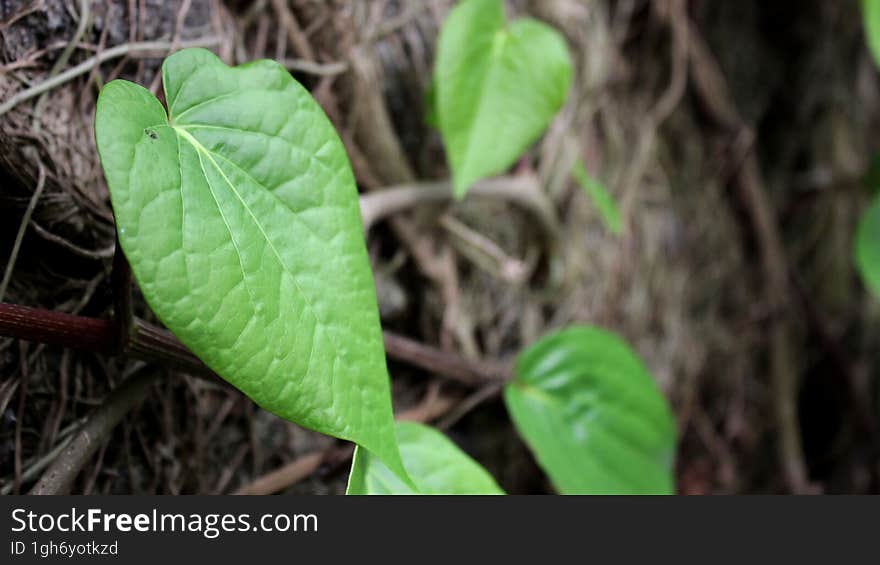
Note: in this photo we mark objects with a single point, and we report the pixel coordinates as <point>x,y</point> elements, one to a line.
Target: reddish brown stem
<point>154,344</point>
<point>149,343</point>
<point>465,371</point>
<point>55,328</point>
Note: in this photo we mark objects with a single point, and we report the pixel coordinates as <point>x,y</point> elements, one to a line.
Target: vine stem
<point>522,190</point>
<point>153,344</point>
<point>465,371</point>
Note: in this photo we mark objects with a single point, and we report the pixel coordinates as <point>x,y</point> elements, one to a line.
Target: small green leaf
<point>867,249</point>
<point>600,197</point>
<point>497,87</point>
<point>871,19</point>
<point>436,465</point>
<point>592,415</point>
<point>239,215</point>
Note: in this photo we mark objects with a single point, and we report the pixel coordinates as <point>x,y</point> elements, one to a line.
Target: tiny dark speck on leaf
<point>151,133</point>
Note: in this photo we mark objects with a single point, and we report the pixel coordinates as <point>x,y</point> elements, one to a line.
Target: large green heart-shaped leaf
<point>497,87</point>
<point>868,246</point>
<point>435,464</point>
<point>592,415</point>
<point>239,215</point>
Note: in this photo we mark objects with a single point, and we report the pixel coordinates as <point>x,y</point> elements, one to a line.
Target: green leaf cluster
<point>238,212</point>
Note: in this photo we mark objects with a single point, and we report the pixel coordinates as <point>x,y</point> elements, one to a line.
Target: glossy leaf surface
<point>238,212</point>
<point>592,415</point>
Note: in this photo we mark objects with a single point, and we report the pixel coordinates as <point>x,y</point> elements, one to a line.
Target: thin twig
<point>33,7</point>
<point>313,68</point>
<point>25,220</point>
<point>19,416</point>
<point>286,475</point>
<point>33,470</point>
<point>303,467</point>
<point>473,400</point>
<point>483,252</point>
<point>84,17</point>
<point>91,62</point>
<point>459,369</point>
<point>711,87</point>
<point>522,190</point>
<point>70,246</point>
<point>59,477</point>
<point>294,31</point>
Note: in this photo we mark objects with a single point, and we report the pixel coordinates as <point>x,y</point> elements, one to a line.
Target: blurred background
<point>738,140</point>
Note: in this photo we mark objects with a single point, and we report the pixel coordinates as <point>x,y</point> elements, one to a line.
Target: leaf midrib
<point>202,150</point>
<point>494,57</point>
<point>495,54</point>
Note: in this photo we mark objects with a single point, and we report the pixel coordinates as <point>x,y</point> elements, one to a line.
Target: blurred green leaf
<point>592,415</point>
<point>600,197</point>
<point>871,19</point>
<point>435,464</point>
<point>867,248</point>
<point>497,87</point>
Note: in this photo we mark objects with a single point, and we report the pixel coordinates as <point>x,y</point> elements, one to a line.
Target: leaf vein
<point>306,299</point>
